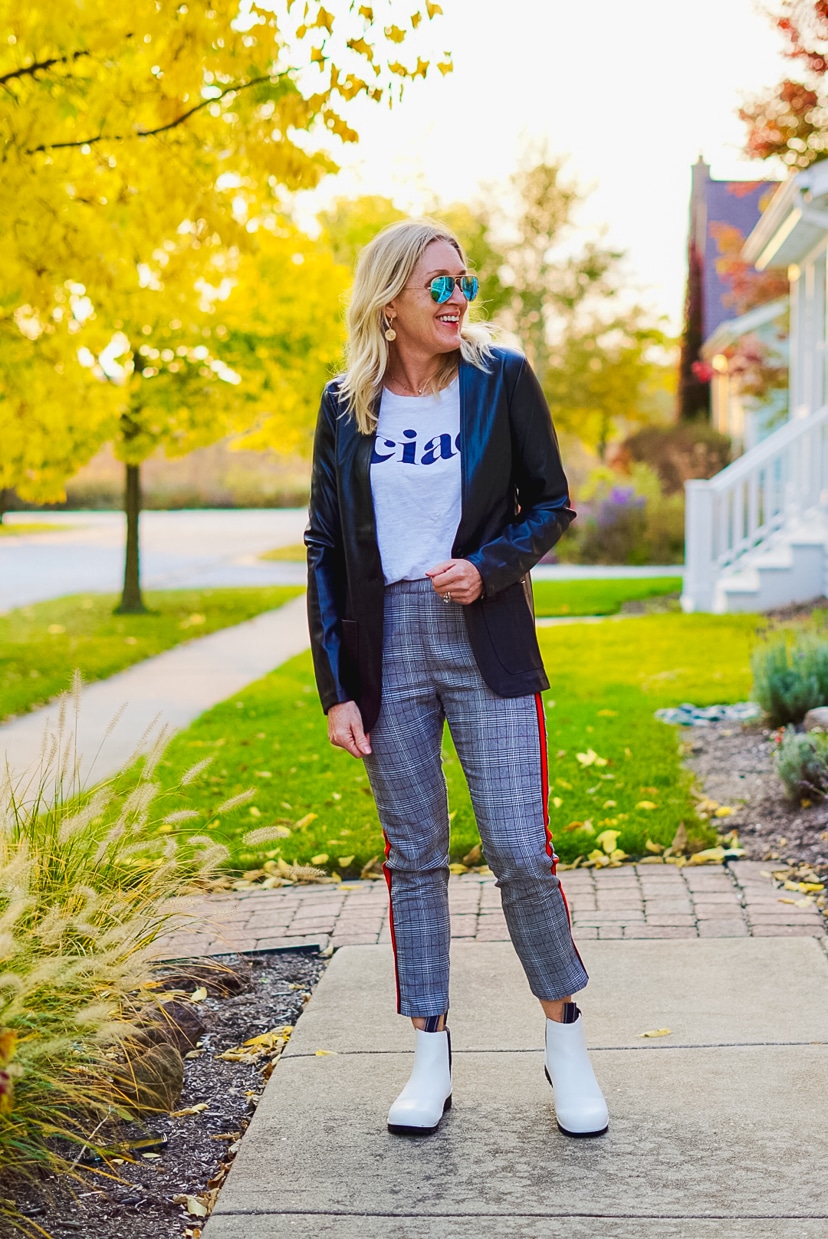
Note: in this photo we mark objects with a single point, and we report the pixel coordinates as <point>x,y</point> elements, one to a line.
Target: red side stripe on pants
<point>387,873</point>
<point>550,851</point>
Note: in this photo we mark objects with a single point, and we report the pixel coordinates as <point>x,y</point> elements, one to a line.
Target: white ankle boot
<point>579,1103</point>
<point>427,1095</point>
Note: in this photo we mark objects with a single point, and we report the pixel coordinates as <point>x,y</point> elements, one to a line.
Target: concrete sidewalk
<point>169,691</point>
<point>716,1130</point>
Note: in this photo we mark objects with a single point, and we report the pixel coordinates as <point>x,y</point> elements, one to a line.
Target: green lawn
<point>42,644</point>
<point>606,681</point>
<point>294,554</point>
<point>600,597</point>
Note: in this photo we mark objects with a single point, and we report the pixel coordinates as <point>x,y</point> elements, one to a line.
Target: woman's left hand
<point>457,580</point>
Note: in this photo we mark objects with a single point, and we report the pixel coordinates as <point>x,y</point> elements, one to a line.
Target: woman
<point>437,485</point>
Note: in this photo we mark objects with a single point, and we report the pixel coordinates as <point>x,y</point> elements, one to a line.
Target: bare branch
<point>41,66</point>
<point>179,120</point>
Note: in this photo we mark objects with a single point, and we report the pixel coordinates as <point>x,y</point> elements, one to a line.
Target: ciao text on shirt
<point>410,452</point>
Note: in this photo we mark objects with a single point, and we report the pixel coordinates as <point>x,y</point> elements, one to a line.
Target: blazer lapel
<point>362,476</point>
<point>466,375</point>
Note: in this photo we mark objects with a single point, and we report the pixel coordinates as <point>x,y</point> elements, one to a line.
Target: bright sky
<point>630,90</point>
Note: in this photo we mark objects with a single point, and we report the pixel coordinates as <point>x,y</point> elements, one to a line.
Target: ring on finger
<point>447,596</point>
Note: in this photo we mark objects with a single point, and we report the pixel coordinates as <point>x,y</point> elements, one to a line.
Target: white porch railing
<point>736,511</point>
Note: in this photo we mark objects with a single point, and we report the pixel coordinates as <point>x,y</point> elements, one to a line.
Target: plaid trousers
<point>430,676</point>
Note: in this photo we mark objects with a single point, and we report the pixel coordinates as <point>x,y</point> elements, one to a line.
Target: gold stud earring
<point>389,333</point>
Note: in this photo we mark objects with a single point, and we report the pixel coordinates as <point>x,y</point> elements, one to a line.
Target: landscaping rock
<point>176,1023</point>
<point>152,1080</point>
<point>219,980</point>
<point>816,719</point>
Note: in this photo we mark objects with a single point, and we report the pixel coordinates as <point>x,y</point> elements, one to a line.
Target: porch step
<point>793,570</point>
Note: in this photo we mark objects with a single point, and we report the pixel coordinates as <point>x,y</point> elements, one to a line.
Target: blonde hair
<point>383,270</point>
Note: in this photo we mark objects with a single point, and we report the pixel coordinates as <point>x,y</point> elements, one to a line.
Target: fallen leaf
<point>708,856</point>
<point>656,1032</point>
<point>607,713</point>
<point>724,810</point>
<point>193,1205</point>
<point>646,804</point>
<point>458,868</point>
<point>324,1053</point>
<point>151,1157</point>
<point>345,861</point>
<point>321,858</point>
<point>474,856</point>
<point>303,821</point>
<point>607,840</point>
<point>657,848</point>
<point>199,1108</point>
<point>557,802</point>
<point>198,995</point>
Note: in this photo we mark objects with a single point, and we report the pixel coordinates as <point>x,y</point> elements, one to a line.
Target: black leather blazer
<point>515,506</point>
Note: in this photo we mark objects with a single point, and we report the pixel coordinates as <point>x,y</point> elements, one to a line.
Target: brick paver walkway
<point>634,901</point>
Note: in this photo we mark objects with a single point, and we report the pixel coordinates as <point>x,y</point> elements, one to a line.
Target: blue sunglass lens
<point>469,286</point>
<point>442,286</point>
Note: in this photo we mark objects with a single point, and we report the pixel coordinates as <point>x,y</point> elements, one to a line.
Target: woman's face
<point>422,326</point>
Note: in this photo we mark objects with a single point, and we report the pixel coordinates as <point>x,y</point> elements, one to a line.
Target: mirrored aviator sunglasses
<point>442,286</point>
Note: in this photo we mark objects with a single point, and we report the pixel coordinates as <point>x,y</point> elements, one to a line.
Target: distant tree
<point>349,224</point>
<point>790,121</point>
<point>747,287</point>
<point>599,364</point>
<point>693,382</point>
<point>141,143</point>
<point>604,378</point>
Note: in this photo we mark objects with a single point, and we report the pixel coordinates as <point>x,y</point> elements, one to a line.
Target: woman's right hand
<point>345,729</point>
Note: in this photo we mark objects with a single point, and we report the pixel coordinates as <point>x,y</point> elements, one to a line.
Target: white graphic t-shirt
<point>415,481</point>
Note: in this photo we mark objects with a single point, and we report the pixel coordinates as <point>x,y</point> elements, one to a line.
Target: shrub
<point>676,453</point>
<point>85,881</point>
<point>625,520</point>
<point>790,677</point>
<point>802,764</point>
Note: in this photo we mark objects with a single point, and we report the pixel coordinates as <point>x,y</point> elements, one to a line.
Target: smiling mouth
<point>451,319</point>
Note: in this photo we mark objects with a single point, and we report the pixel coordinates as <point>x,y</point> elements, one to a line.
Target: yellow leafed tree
<point>147,149</point>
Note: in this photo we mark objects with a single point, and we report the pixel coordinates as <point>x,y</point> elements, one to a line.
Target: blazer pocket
<point>511,628</point>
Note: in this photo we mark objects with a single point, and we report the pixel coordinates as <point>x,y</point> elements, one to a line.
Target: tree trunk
<point>5,496</point>
<point>131,601</point>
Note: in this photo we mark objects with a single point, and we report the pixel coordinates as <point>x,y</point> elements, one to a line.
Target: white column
<point>700,567</point>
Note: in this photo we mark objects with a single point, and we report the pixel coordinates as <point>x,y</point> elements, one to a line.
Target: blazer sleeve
<point>326,561</point>
<point>541,490</point>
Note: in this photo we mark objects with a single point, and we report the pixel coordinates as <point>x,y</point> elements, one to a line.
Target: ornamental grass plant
<point>790,675</point>
<point>85,886</point>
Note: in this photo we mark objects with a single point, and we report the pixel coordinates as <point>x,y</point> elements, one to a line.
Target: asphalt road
<point>179,550</point>
<point>182,550</point>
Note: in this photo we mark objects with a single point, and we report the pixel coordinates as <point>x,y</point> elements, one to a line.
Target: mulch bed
<point>159,1194</point>
<point>734,765</point>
